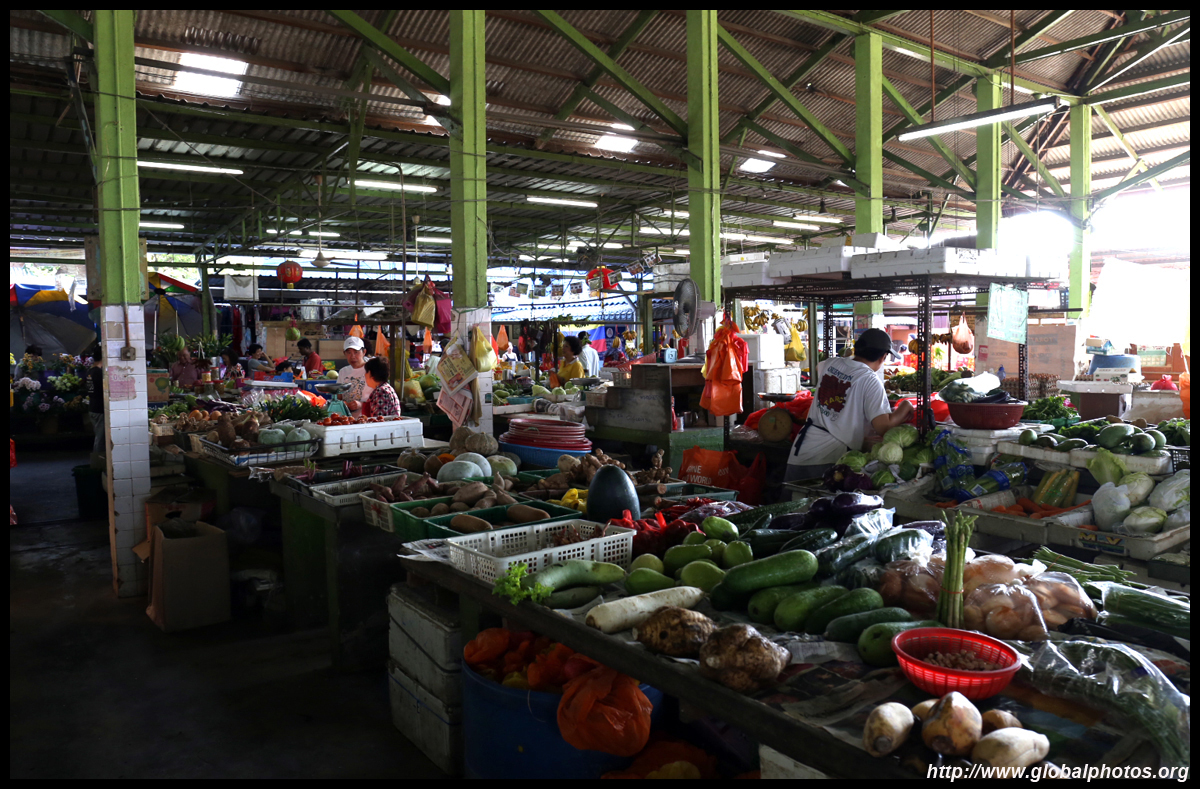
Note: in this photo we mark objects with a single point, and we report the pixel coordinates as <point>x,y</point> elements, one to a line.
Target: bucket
<point>509,733</point>
<point>89,494</point>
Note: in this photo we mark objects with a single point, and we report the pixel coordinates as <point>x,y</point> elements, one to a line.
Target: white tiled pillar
<point>463,321</point>
<point>127,445</point>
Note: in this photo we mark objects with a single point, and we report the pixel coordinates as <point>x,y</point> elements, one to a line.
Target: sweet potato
<point>469,524</point>
<point>459,506</point>
<point>442,508</point>
<point>471,492</point>
<point>523,513</point>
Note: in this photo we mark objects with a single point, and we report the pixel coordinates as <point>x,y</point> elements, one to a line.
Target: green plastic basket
<point>409,527</point>
<point>689,491</point>
<point>440,526</point>
<point>536,476</point>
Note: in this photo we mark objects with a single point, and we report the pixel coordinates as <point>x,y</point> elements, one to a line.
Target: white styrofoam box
<point>774,380</point>
<point>746,257</point>
<point>425,640</point>
<point>427,722</point>
<point>834,241</point>
<point>370,437</point>
<point>744,275</point>
<point>1144,547</point>
<point>1151,466</point>
<point>764,349</point>
<point>878,241</point>
<point>939,260</point>
<point>981,456</point>
<point>809,262</point>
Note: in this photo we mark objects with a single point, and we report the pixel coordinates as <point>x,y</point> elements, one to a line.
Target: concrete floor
<point>96,690</point>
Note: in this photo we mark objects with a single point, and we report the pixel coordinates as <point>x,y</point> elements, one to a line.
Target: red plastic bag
<point>443,323</point>
<point>798,407</point>
<point>12,453</point>
<point>604,710</point>
<point>750,486</point>
<point>709,467</point>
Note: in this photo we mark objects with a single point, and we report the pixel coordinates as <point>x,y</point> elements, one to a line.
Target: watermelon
<point>478,460</point>
<point>457,469</point>
<point>610,493</point>
<point>292,334</point>
<point>271,436</point>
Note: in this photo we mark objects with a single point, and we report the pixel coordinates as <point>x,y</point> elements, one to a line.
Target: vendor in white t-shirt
<point>850,397</point>
<point>355,374</point>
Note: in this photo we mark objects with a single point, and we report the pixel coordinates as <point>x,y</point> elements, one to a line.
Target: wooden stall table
<point>807,744</point>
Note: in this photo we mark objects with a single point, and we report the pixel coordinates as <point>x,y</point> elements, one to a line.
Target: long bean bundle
<point>1080,570</point>
<point>950,598</point>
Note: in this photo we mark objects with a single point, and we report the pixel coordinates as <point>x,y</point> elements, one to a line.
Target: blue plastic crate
<point>534,456</point>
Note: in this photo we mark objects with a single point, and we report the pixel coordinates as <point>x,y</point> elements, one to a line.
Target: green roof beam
<point>1138,162</point>
<point>784,95</point>
<point>1146,50</point>
<point>795,150</point>
<point>627,37</point>
<point>72,21</point>
<point>380,40</point>
<point>1152,173</point>
<point>932,178</point>
<point>1019,141</point>
<point>360,72</point>
<point>1104,36</point>
<point>1139,89</point>
<point>623,77</point>
<point>944,150</point>
<point>639,125</point>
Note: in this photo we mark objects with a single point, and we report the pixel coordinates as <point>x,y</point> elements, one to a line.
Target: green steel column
<point>1079,278</point>
<point>704,183</point>
<point>116,143</point>
<point>468,165</point>
<point>205,300</point>
<point>868,136</point>
<point>988,96</point>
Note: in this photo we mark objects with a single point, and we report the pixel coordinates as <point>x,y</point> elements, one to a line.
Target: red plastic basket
<point>986,416</point>
<point>912,645</point>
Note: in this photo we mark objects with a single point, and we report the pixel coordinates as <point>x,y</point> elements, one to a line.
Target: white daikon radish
<point>632,611</point>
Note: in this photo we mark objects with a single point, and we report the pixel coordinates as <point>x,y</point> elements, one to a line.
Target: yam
<point>485,502</point>
<point>459,506</point>
<point>469,524</point>
<point>419,512</point>
<point>501,496</point>
<point>675,631</point>
<point>432,464</point>
<point>441,508</point>
<point>523,513</point>
<point>471,492</point>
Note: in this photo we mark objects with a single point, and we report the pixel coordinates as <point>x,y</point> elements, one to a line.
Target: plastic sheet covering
<point>1116,677</point>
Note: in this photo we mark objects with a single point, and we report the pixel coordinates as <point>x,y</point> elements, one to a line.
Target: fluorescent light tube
<point>161,225</point>
<point>820,218</point>
<point>772,154</point>
<point>795,225</point>
<point>562,201</point>
<point>755,166</point>
<point>767,239</point>
<point>324,233</point>
<point>195,168</point>
<point>395,186</point>
<point>980,119</point>
<point>433,239</point>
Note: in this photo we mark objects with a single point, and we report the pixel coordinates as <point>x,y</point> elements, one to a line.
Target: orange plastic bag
<point>709,467</point>
<point>502,340</point>
<point>489,645</point>
<point>427,343</point>
<point>725,362</point>
<point>604,710</point>
<point>1185,393</point>
<point>356,331</point>
<point>382,345</point>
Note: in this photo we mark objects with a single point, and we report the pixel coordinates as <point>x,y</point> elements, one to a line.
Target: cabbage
<point>1143,520</point>
<point>540,391</point>
<point>1110,504</point>
<point>910,454</point>
<point>889,453</point>
<point>908,470</point>
<point>1173,493</point>
<point>881,478</point>
<point>1107,467</point>
<point>925,455</point>
<point>855,460</point>
<point>1139,484</point>
<point>1180,517</point>
<point>904,435</point>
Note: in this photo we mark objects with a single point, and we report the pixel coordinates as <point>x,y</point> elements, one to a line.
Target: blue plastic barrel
<point>510,733</point>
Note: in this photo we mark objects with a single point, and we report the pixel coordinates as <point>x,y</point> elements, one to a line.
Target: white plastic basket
<point>377,513</point>
<point>346,492</point>
<point>488,555</point>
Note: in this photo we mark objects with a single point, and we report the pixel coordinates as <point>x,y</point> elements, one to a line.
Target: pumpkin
<point>446,457</point>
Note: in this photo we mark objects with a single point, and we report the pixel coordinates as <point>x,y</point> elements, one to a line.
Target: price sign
<point>513,292</point>
<point>557,290</point>
<point>577,287</point>
<point>1008,314</point>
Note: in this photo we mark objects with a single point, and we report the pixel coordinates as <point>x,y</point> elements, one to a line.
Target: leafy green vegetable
<point>854,459</point>
<point>881,478</point>
<point>888,453</point>
<point>1048,408</point>
<point>903,435</point>
<point>1107,467</point>
<point>509,585</point>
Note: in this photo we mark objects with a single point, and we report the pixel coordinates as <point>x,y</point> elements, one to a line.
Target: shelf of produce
<point>810,745</point>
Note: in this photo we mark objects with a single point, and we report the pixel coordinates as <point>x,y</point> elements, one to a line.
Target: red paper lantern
<point>289,272</point>
<point>600,274</point>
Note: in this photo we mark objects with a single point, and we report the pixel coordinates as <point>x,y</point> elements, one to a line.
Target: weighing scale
<point>332,391</point>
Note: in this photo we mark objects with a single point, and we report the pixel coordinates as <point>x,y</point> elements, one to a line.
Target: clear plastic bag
<point>912,584</point>
<point>1110,505</point>
<point>1005,611</point>
<point>1059,598</point>
<point>994,569</point>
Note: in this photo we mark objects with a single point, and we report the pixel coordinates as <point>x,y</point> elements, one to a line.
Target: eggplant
<point>820,507</point>
<point>936,529</point>
<point>793,521</point>
<point>854,503</point>
<point>856,481</point>
<point>835,477</point>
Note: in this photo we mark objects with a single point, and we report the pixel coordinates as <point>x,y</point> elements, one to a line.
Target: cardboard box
<point>189,577</point>
<point>277,344</point>
<point>178,501</point>
<point>158,385</point>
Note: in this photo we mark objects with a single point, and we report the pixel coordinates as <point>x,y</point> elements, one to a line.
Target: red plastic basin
<point>986,416</point>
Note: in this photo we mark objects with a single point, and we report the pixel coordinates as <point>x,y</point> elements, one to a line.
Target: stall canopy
<point>50,318</point>
<point>173,306</point>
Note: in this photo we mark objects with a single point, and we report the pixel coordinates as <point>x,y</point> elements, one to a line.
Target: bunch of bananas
<point>757,318</point>
<point>630,335</point>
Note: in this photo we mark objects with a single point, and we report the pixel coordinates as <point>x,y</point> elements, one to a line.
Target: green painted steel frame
<point>902,104</point>
<point>704,182</point>
<point>118,202</point>
<point>1135,179</point>
<point>1085,42</point>
<point>468,159</point>
<point>1019,141</point>
<point>72,21</point>
<point>868,141</point>
<point>386,45</point>
<point>1145,51</point>
<point>1138,162</point>
<point>988,96</point>
<point>1079,277</point>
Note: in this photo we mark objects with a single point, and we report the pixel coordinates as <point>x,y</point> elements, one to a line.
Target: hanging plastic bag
<point>750,487</point>
<point>382,345</point>
<point>603,710</point>
<point>443,318</point>
<point>427,343</point>
<point>424,312</point>
<point>410,299</point>
<point>482,354</point>
<point>725,362</point>
<point>357,331</point>
<point>961,337</point>
<point>794,350</point>
<point>502,342</point>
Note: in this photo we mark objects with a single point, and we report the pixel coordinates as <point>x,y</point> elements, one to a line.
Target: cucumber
<point>764,602</point>
<point>849,627</point>
<point>643,580</point>
<point>1046,441</point>
<point>1142,442</point>
<point>1160,440</point>
<point>723,599</point>
<point>762,523</point>
<point>843,553</point>
<point>748,517</point>
<point>1071,443</point>
<point>812,540</point>
<point>857,601</point>
<point>875,643</point>
<point>793,567</point>
<point>575,572</point>
<point>573,598</point>
<point>1113,435</point>
<point>677,557</point>
<point>792,612</point>
<point>902,544</point>
<point>768,542</point>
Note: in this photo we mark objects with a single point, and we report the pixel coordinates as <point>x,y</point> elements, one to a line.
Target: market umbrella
<point>173,306</point>
<point>48,317</point>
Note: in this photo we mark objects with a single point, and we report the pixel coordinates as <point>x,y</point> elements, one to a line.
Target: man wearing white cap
<point>354,374</point>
